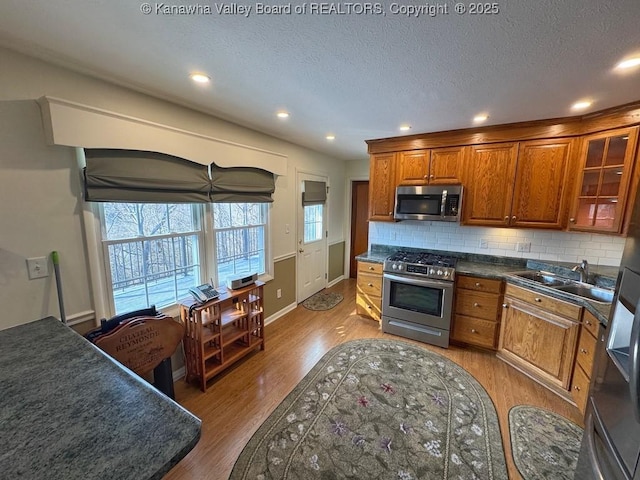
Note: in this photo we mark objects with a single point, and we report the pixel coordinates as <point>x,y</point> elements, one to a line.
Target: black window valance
<point>314,193</point>
<point>115,175</point>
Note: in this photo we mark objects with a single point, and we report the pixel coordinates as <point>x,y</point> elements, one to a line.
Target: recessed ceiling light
<point>200,78</point>
<point>282,114</point>
<point>405,128</point>
<point>581,105</point>
<point>628,63</point>
<point>481,117</point>
<point>330,137</point>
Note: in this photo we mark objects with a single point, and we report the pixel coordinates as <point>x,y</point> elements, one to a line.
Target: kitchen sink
<point>545,278</point>
<point>584,290</point>
<point>589,291</point>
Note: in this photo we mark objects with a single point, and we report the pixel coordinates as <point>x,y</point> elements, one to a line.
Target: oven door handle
<point>418,281</point>
<point>634,363</point>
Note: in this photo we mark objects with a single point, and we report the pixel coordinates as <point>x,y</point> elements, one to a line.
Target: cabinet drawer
<point>369,306</point>
<point>545,302</point>
<point>580,389</point>
<point>591,323</point>
<point>368,267</point>
<point>370,284</point>
<point>479,284</point>
<point>586,350</point>
<point>475,331</point>
<point>477,304</point>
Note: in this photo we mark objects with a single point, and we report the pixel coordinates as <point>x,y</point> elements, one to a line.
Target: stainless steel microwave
<point>441,203</point>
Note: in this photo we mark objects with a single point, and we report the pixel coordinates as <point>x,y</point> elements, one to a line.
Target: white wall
<point>545,244</point>
<point>50,219</point>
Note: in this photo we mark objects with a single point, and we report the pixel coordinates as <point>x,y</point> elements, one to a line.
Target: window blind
<point>314,193</point>
<point>241,185</point>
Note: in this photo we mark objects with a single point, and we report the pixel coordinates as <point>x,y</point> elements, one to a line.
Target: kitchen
<point>51,216</point>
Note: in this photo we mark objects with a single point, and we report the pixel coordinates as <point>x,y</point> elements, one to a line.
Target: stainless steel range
<point>417,296</point>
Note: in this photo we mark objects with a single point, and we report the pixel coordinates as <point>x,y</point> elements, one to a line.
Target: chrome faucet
<point>583,268</point>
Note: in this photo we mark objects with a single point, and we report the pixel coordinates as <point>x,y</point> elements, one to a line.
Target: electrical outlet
<point>38,267</point>
<point>279,293</point>
<point>523,247</point>
<point>484,243</point>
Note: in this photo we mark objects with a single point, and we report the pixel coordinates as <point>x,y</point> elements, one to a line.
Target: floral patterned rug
<point>373,409</point>
<point>544,444</point>
<point>322,301</point>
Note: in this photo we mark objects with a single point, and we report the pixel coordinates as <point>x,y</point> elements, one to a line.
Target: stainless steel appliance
<point>611,443</point>
<point>433,202</point>
<point>417,296</point>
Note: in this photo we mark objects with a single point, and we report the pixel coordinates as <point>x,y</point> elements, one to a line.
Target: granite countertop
<point>68,411</point>
<point>488,266</point>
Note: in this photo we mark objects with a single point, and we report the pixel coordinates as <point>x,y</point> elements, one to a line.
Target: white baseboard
<point>280,313</point>
<point>178,374</point>
<point>337,280</point>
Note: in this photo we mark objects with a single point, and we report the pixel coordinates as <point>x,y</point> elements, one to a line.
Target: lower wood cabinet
<point>539,335</point>
<point>476,319</point>
<point>369,290</point>
<point>584,360</point>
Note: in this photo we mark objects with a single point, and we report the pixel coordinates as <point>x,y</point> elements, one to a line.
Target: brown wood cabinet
<point>605,173</point>
<point>518,185</point>
<point>538,336</point>
<point>477,311</point>
<point>489,180</point>
<point>437,166</point>
<point>369,290</point>
<point>382,187</point>
<point>584,360</point>
<point>220,332</point>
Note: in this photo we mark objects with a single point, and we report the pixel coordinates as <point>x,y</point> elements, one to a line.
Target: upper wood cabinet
<point>518,185</point>
<point>437,166</point>
<point>540,192</point>
<point>603,181</point>
<point>382,186</point>
<point>489,180</point>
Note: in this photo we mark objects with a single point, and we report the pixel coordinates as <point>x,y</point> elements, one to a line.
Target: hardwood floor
<point>240,399</point>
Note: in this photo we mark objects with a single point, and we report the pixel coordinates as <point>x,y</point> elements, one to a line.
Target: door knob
<point>572,220</point>
<point>300,250</point>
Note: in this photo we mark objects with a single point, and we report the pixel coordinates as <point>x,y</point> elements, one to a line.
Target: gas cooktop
<point>421,264</point>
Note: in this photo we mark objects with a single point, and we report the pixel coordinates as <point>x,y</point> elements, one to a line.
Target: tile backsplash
<point>509,242</point>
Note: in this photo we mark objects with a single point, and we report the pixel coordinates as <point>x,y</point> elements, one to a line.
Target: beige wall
<point>40,207</point>
<point>284,279</point>
<point>336,261</point>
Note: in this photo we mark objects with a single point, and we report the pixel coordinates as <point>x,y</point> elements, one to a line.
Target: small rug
<point>322,301</point>
<point>544,444</point>
<point>373,409</point>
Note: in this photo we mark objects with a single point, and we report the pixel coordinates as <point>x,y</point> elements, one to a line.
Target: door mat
<point>379,409</point>
<point>544,444</point>
<point>322,301</point>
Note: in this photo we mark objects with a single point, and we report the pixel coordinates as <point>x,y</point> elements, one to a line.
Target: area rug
<point>322,301</point>
<point>373,409</point>
<point>544,444</point>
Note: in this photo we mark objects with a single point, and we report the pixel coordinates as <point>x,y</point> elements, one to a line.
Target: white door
<point>312,242</point>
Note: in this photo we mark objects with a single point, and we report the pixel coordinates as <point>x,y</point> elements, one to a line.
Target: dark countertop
<point>68,411</point>
<point>487,266</point>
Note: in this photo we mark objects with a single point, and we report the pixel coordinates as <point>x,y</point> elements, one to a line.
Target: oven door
<point>416,300</point>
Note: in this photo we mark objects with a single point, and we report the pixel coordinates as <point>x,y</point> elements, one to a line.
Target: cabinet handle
<point>370,284</point>
<point>505,305</point>
<point>473,330</point>
<point>572,220</point>
<point>425,177</point>
<point>477,284</point>
<point>506,219</point>
<point>476,304</point>
<point>369,307</point>
<point>538,299</point>
<point>390,214</point>
<point>513,218</point>
<point>431,176</point>
<point>582,350</point>
<point>577,388</point>
<point>587,322</point>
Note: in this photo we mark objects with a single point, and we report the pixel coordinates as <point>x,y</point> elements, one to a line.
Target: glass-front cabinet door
<point>607,163</point>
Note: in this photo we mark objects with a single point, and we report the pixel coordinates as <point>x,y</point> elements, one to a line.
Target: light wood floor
<point>240,399</point>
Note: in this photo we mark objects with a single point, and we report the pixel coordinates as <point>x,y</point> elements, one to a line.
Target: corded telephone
<point>203,293</point>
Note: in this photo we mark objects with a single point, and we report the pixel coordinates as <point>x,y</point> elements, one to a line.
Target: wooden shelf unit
<point>222,331</point>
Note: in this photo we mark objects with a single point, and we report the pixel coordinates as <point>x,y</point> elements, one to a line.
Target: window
<point>313,223</point>
<point>240,233</point>
<point>152,252</point>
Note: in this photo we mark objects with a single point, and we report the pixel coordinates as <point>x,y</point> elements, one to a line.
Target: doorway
<point>312,234</point>
<point>359,223</point>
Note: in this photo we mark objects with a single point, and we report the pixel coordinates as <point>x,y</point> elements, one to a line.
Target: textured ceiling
<point>358,76</point>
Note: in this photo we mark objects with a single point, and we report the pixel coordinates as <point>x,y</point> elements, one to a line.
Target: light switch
<point>38,267</point>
